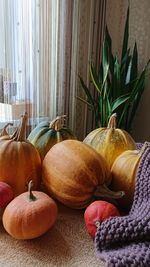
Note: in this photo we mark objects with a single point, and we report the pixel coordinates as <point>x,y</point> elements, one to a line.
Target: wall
<point>139,31</point>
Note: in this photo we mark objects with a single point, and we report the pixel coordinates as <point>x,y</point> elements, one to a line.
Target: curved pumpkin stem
<point>112,121</point>
<point>57,123</point>
<point>31,197</point>
<point>104,191</point>
<point>4,132</point>
<point>20,133</point>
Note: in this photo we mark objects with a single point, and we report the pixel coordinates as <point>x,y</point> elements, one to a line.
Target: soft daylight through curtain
<point>44,46</point>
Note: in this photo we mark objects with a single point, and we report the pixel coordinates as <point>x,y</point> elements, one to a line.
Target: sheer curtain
<point>44,46</point>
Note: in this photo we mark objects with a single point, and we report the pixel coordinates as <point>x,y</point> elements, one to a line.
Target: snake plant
<point>118,85</point>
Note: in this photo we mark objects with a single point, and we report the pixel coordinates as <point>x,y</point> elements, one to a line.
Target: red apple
<point>97,212</point>
<point>6,194</point>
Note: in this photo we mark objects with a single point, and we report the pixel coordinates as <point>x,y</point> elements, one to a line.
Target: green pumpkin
<point>47,134</point>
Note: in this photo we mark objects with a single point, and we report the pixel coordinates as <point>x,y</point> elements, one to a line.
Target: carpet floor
<point>67,244</point>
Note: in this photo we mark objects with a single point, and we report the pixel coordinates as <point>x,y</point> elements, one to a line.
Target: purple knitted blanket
<point>125,241</point>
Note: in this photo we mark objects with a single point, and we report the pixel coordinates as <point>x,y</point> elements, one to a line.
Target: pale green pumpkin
<point>46,134</point>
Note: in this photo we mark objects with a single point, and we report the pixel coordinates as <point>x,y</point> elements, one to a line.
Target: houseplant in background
<point>118,85</point>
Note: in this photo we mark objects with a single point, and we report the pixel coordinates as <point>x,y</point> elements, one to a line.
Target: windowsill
<point>31,122</point>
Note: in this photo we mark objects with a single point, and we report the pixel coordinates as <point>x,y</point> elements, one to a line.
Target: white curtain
<point>44,46</point>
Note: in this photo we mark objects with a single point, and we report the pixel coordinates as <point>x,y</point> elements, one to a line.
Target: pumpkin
<point>74,173</point>
<point>46,134</point>
<point>96,213</point>
<point>110,142</point>
<point>124,172</point>
<point>30,214</point>
<point>6,194</point>
<point>19,160</point>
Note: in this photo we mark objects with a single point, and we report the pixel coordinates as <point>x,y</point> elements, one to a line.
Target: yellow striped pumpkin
<point>110,141</point>
<point>124,171</point>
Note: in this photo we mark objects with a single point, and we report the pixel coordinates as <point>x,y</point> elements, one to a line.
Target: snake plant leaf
<point>140,89</point>
<point>109,109</point>
<point>134,97</point>
<point>87,92</point>
<point>119,101</point>
<point>125,60</point>
<point>105,60</point>
<point>118,85</point>
<point>139,85</point>
<point>126,36</point>
<point>86,102</point>
<point>124,70</point>
<point>109,44</point>
<point>94,78</point>
<point>132,70</point>
<point>128,74</point>
<point>116,79</point>
<point>134,65</point>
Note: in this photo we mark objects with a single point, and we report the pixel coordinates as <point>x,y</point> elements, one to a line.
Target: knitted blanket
<point>125,241</point>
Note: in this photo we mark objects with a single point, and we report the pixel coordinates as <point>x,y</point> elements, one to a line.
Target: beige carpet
<point>67,244</point>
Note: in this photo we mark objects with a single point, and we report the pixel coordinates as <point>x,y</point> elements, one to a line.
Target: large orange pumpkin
<point>30,214</point>
<point>73,173</point>
<point>19,160</point>
<point>110,142</point>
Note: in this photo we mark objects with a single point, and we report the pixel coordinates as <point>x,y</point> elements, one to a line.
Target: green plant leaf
<point>140,86</point>
<point>119,101</point>
<point>105,60</point>
<point>87,92</point>
<point>116,79</point>
<point>128,73</point>
<point>94,78</point>
<point>125,59</point>
<point>85,101</point>
<point>118,87</point>
<point>134,65</point>
<point>135,94</point>
<point>126,36</point>
<point>110,55</point>
<point>109,109</point>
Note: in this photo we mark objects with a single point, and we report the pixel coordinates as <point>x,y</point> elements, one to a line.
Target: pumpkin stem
<point>57,123</point>
<point>4,132</point>
<point>31,197</point>
<point>112,121</point>
<point>104,191</point>
<point>20,133</point>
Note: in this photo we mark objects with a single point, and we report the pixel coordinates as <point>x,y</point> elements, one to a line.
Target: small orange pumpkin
<point>30,214</point>
<point>110,142</point>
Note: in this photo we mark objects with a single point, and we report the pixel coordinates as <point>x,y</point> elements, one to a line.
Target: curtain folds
<point>44,46</point>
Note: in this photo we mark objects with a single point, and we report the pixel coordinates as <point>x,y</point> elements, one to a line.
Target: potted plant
<point>117,86</point>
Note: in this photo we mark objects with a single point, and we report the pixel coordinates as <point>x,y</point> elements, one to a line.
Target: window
<point>44,45</point>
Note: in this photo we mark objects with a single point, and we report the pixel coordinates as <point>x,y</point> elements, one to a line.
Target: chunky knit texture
<point>125,241</point>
